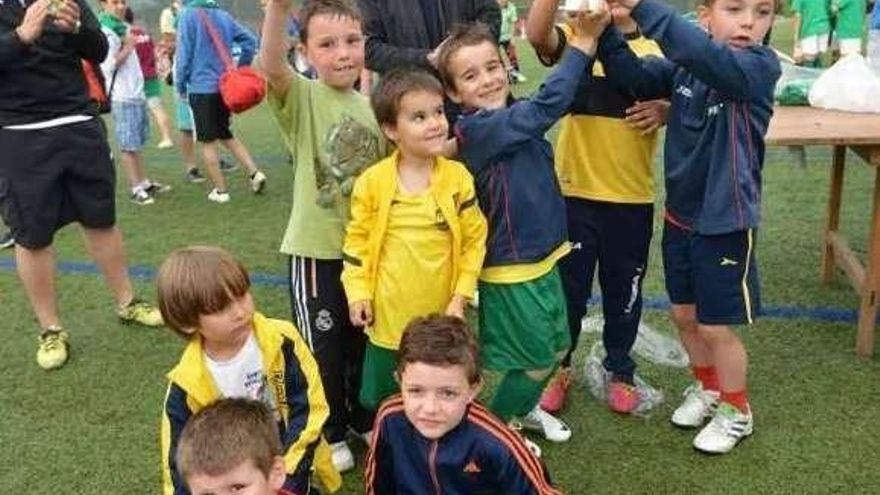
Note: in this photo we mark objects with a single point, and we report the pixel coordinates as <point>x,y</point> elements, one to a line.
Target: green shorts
<point>523,326</point>
<point>377,381</point>
<point>152,88</point>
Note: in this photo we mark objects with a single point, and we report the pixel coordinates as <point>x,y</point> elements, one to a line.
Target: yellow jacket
<point>452,187</point>
<point>295,384</point>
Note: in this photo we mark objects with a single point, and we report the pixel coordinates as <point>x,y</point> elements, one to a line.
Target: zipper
<point>432,467</point>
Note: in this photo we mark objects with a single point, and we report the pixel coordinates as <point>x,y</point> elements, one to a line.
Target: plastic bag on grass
<point>793,87</point>
<point>651,344</point>
<point>849,86</point>
<point>596,378</point>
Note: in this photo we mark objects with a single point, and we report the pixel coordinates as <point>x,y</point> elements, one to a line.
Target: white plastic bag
<point>651,344</point>
<point>596,378</point>
<point>849,85</point>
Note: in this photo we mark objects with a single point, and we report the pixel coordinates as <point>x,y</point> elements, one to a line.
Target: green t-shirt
<point>508,21</point>
<point>814,17</point>
<point>339,129</point>
<point>850,19</point>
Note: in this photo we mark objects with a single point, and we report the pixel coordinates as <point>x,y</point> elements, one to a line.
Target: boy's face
<point>335,48</point>
<point>421,126</point>
<point>435,398</point>
<point>479,76</point>
<point>738,23</point>
<point>229,328</point>
<point>116,8</point>
<point>245,479</point>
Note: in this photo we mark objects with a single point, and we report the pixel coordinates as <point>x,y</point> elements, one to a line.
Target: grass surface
<point>92,427</point>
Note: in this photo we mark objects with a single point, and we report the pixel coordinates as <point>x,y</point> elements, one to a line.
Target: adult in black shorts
<point>55,165</point>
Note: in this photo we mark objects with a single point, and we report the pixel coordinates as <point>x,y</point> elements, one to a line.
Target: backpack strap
<point>215,39</point>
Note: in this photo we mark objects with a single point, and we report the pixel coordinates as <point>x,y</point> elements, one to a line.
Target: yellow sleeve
<point>356,248</point>
<point>474,230</point>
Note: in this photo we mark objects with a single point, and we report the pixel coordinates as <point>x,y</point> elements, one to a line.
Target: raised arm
<point>273,47</point>
<point>88,41</point>
<point>643,78</point>
<point>541,29</point>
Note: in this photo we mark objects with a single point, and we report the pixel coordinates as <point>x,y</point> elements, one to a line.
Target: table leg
<point>871,285</point>
<point>834,195</point>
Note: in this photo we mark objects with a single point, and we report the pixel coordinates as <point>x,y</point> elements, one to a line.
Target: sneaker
<point>53,350</point>
<point>156,188</point>
<point>7,240</point>
<point>165,144</point>
<point>727,428</point>
<point>227,167</point>
<point>194,175</point>
<point>553,398</point>
<point>141,197</point>
<point>258,182</point>
<point>545,423</point>
<point>343,459</point>
<point>141,312</point>
<point>623,397</point>
<point>697,407</point>
<point>218,196</point>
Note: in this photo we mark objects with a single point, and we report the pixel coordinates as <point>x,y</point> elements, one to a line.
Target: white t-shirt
<point>242,375</point>
<point>129,85</point>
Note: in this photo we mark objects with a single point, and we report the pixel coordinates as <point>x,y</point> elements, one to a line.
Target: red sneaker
<point>553,398</point>
<point>623,398</point>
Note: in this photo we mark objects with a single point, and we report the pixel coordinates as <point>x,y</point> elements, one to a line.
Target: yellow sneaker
<point>53,350</point>
<point>140,312</point>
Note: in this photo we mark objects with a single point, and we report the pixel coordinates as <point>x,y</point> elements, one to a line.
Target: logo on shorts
<point>324,322</point>
<point>725,261</point>
<point>472,468</point>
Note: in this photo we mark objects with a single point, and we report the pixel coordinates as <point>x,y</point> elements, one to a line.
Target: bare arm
<point>540,27</point>
<point>273,48</point>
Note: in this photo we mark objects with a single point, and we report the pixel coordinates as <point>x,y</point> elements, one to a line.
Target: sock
<point>707,377</point>
<point>738,399</point>
<point>516,395</point>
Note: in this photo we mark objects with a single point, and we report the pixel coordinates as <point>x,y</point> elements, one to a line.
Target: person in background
<point>506,39</point>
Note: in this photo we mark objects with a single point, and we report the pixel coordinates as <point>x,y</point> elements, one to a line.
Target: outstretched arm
<point>541,30</point>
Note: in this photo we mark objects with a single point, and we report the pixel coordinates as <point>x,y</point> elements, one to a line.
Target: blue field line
<point>146,273</point>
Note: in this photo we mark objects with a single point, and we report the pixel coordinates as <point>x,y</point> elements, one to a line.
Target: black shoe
<point>194,175</point>
<point>227,167</point>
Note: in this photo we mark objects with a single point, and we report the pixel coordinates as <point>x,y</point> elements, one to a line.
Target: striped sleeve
<point>175,414</point>
<point>379,471</point>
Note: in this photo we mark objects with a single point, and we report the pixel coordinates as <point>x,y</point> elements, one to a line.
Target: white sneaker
<point>698,406</point>
<point>165,144</point>
<point>343,459</point>
<point>553,428</point>
<point>727,428</point>
<point>141,197</point>
<point>258,182</point>
<point>217,196</point>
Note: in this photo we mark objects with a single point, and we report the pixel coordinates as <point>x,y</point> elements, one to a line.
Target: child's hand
<point>587,27</point>
<point>361,313</point>
<point>456,306</point>
<point>647,116</point>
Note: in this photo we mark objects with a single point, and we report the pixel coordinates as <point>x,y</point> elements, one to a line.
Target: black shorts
<point>210,117</point>
<point>51,177</point>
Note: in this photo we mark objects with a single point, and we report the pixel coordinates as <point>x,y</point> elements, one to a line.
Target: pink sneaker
<point>553,398</point>
<point>623,398</point>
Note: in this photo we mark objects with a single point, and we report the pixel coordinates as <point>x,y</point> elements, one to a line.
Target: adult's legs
<point>108,250</point>
<point>36,269</point>
<point>241,154</point>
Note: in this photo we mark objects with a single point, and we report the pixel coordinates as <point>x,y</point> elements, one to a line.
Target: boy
<point>125,89</point>
<point>720,78</point>
<point>146,52</point>
<point>233,351</point>
<point>509,18</point>
<point>811,25</point>
<point>330,131</point>
<point>232,447</point>
<point>416,239</point>
<point>522,318</point>
<point>604,162</point>
<point>197,77</point>
<point>436,426</point>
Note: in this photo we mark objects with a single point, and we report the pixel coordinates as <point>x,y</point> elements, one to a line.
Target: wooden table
<point>799,126</point>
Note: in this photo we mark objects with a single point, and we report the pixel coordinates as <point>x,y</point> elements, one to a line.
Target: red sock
<point>739,399</point>
<point>707,376</point>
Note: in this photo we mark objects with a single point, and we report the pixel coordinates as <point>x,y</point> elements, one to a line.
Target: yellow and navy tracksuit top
<point>479,456</point>
<point>452,188</point>
<point>295,384</point>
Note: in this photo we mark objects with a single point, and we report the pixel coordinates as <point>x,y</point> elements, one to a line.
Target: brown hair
<point>385,99</point>
<point>440,340</point>
<point>198,280</point>
<point>333,8</point>
<point>460,36</point>
<point>226,434</point>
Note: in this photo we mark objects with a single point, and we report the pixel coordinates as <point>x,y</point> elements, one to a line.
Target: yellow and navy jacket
<point>480,456</point>
<point>452,188</point>
<point>295,385</point>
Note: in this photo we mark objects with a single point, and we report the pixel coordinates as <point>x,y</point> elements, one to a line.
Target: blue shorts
<point>130,123</point>
<point>184,114</point>
<point>717,273</point>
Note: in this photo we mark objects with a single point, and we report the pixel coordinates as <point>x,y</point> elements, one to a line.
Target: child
<point>330,131</point>
<point>146,52</point>
<point>233,351</point>
<point>197,72</point>
<point>509,19</point>
<point>604,162</point>
<point>436,426</point>
<point>416,240</point>
<point>125,88</point>
<point>811,25</point>
<point>849,26</point>
<point>720,79</point>
<point>523,330</point>
<point>232,446</point>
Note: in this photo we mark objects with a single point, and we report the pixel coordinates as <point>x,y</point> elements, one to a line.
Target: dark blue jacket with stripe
<point>512,164</point>
<point>480,456</point>
<point>722,101</point>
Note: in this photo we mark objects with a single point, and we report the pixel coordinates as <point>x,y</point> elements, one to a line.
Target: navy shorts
<point>717,273</point>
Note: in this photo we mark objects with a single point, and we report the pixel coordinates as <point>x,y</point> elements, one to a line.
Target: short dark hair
<point>460,36</point>
<point>198,280</point>
<point>394,85</point>
<point>338,8</point>
<point>440,340</point>
<point>226,434</point>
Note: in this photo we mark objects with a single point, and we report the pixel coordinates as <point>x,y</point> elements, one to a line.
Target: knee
<point>684,317</point>
<point>717,335</point>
